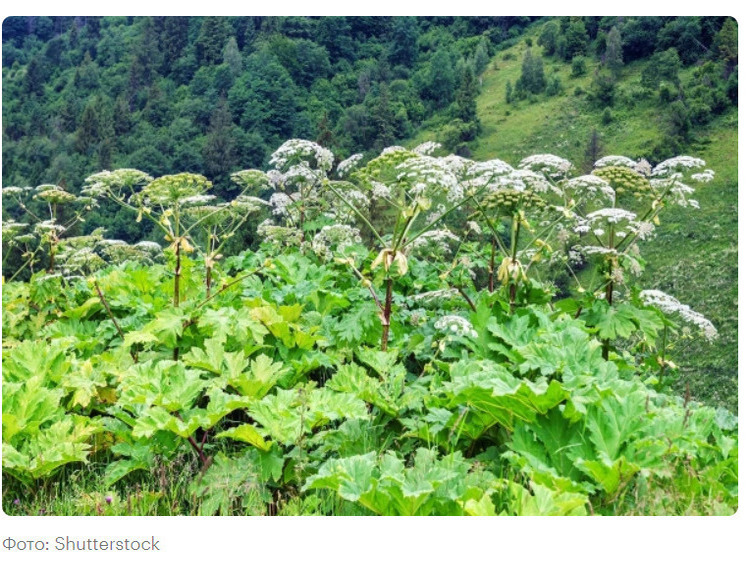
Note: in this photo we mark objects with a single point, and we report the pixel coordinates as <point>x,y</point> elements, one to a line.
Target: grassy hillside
<point>694,256</point>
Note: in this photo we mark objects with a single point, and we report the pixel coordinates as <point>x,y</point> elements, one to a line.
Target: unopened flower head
<point>256,180</point>
<point>279,235</point>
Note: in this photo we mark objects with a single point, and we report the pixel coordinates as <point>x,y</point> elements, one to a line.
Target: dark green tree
<point>219,151</point>
<point>403,48</point>
<point>576,39</point>
<point>466,98</point>
<point>548,38</point>
<point>532,77</point>
<point>214,34</point>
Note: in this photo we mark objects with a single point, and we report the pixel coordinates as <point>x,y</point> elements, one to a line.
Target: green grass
<point>694,256</point>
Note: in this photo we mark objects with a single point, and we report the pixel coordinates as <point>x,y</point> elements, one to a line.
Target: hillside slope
<point>694,255</point>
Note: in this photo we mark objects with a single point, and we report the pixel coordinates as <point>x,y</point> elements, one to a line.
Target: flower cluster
<point>625,180</point>
<point>591,187</point>
<point>433,243</point>
<point>455,325</point>
<point>299,150</point>
<point>279,235</point>
<point>521,180</point>
<point>344,167</point>
<point>174,189</point>
<point>334,238</point>
<point>670,305</point>
<point>613,160</point>
<point>677,164</point>
<point>430,177</point>
<point>427,148</point>
<point>548,164</point>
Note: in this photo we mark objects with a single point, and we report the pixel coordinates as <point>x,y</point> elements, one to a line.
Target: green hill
<point>563,124</point>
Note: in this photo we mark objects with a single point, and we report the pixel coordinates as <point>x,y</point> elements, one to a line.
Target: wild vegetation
<point>400,331</point>
<point>393,347</point>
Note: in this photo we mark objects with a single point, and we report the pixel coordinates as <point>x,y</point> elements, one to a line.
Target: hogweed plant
<point>633,197</point>
<point>52,213</point>
<point>180,207</point>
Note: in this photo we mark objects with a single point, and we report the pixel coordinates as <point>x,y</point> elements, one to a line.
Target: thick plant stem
<point>491,269</point>
<point>608,292</point>
<point>386,315</point>
<point>177,273</point>
<point>177,277</point>
<point>208,281</point>
<point>514,250</point>
<point>104,302</point>
<point>51,257</point>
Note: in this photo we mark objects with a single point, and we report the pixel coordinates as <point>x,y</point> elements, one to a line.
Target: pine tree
<point>403,49</point>
<point>532,74</point>
<point>383,119</point>
<point>232,57</point>
<point>481,57</point>
<point>219,151</point>
<point>33,81</point>
<point>726,39</point>
<point>213,36</point>
<point>613,56</point>
<point>87,133</point>
<point>466,98</point>
<point>576,39</point>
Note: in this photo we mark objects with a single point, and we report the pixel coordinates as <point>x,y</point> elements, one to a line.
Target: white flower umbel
<point>521,180</point>
<point>704,177</point>
<point>486,175</point>
<point>615,160</point>
<point>455,325</point>
<point>670,305</point>
<point>380,191</point>
<point>430,177</point>
<point>344,167</point>
<point>610,216</point>
<point>592,187</point>
<point>334,238</point>
<point>436,296</point>
<point>457,164</point>
<point>677,164</point>
<point>391,149</point>
<point>552,166</point>
<point>434,242</point>
<point>197,200</point>
<point>677,190</point>
<point>427,148</point>
<point>150,247</point>
<point>299,150</point>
